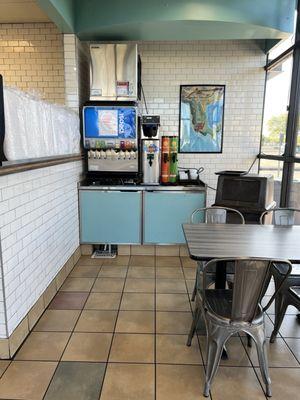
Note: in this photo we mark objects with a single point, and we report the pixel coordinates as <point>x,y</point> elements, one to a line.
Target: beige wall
<point>32,59</point>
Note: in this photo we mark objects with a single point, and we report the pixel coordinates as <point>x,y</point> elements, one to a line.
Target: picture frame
<point>201,118</point>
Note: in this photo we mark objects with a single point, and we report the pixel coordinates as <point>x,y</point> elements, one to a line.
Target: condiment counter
<point>136,214</point>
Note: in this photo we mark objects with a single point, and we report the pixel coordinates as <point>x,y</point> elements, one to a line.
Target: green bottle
<point>173,159</point>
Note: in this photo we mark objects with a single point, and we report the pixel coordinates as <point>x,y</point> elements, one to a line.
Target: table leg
<point>220,275</point>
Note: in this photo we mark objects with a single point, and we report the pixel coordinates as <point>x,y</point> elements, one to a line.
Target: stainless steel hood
<point>114,72</point>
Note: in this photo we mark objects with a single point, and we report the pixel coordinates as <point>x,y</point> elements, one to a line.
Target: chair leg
<point>216,338</point>
<point>258,334</point>
<point>195,289</point>
<point>280,313</point>
<point>249,341</point>
<point>194,325</point>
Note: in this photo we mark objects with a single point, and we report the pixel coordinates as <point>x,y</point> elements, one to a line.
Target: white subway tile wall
<point>236,64</point>
<point>32,59</point>
<point>39,231</point>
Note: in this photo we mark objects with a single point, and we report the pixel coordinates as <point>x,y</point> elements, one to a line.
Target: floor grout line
<point>113,334</point>
<point>155,333</point>
<point>68,341</point>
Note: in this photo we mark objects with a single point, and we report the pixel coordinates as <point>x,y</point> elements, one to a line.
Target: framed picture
<point>201,118</point>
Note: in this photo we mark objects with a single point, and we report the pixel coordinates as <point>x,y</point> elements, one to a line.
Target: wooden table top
<point>208,241</point>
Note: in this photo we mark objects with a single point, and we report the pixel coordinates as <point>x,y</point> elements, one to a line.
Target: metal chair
<point>229,311</point>
<point>291,297</point>
<point>213,215</point>
<point>283,217</point>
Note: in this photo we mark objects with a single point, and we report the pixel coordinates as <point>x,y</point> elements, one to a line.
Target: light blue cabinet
<point>165,212</point>
<point>110,217</point>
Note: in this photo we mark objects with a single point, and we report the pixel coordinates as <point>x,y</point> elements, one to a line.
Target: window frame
<point>288,157</point>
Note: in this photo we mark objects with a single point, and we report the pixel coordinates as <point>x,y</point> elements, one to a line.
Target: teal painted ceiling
<point>172,19</point>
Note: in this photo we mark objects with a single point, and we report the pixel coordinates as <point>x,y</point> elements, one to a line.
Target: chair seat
<point>219,301</point>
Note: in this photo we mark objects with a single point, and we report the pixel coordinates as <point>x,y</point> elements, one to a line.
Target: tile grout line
<point>190,303</point>
<point>252,365</point>
<point>284,339</point>
<point>71,333</point>
<point>155,328</point>
<point>114,329</point>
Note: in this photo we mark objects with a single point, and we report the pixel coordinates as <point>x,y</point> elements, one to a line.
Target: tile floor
<point>117,331</point>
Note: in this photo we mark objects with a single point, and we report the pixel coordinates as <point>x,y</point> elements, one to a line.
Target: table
<point>208,241</point>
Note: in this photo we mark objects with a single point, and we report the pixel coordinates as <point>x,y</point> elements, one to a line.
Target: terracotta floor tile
<point>88,260</point>
<point>68,301</point>
<point>279,355</point>
<point>137,301</point>
<point>236,383</point>
<point>85,271</point>
<point>76,381</point>
<point>189,273</point>
<point>237,355</point>
<point>269,327</point>
<point>172,302</point>
<point>172,349</point>
<point>141,272</point>
<point>77,285</point>
<point>135,322</point>
<point>113,271</point>
<point>190,285</point>
<point>294,345</point>
<point>290,326</point>
<point>165,261</point>
<point>103,301</point>
<point>169,272</point>
<point>132,348</point>
<point>128,381</point>
<point>119,260</point>
<point>173,322</point>
<point>3,365</point>
<point>179,382</point>
<point>96,321</point>
<point>143,261</point>
<point>26,380</point>
<point>88,347</point>
<point>170,286</point>
<point>187,262</point>
<point>105,285</point>
<point>139,286</point>
<point>285,383</point>
<point>57,320</point>
<point>47,346</point>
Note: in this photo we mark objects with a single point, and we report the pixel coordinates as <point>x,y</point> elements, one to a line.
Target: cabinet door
<point>110,217</point>
<point>165,212</point>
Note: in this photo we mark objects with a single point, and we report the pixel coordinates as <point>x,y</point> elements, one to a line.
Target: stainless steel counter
<point>143,188</point>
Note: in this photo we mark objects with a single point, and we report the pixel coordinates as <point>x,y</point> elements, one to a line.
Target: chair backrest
<point>251,279</point>
<point>281,216</point>
<point>217,215</point>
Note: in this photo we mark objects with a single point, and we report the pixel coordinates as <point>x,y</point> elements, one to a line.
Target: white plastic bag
<point>35,128</point>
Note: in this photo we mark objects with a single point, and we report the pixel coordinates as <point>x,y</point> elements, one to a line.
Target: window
<point>280,140</point>
<point>276,107</point>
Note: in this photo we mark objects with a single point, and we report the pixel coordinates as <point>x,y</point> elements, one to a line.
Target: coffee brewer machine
<point>151,149</point>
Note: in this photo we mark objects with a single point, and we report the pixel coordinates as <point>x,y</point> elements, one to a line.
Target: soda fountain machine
<point>111,141</point>
<point>151,149</point>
